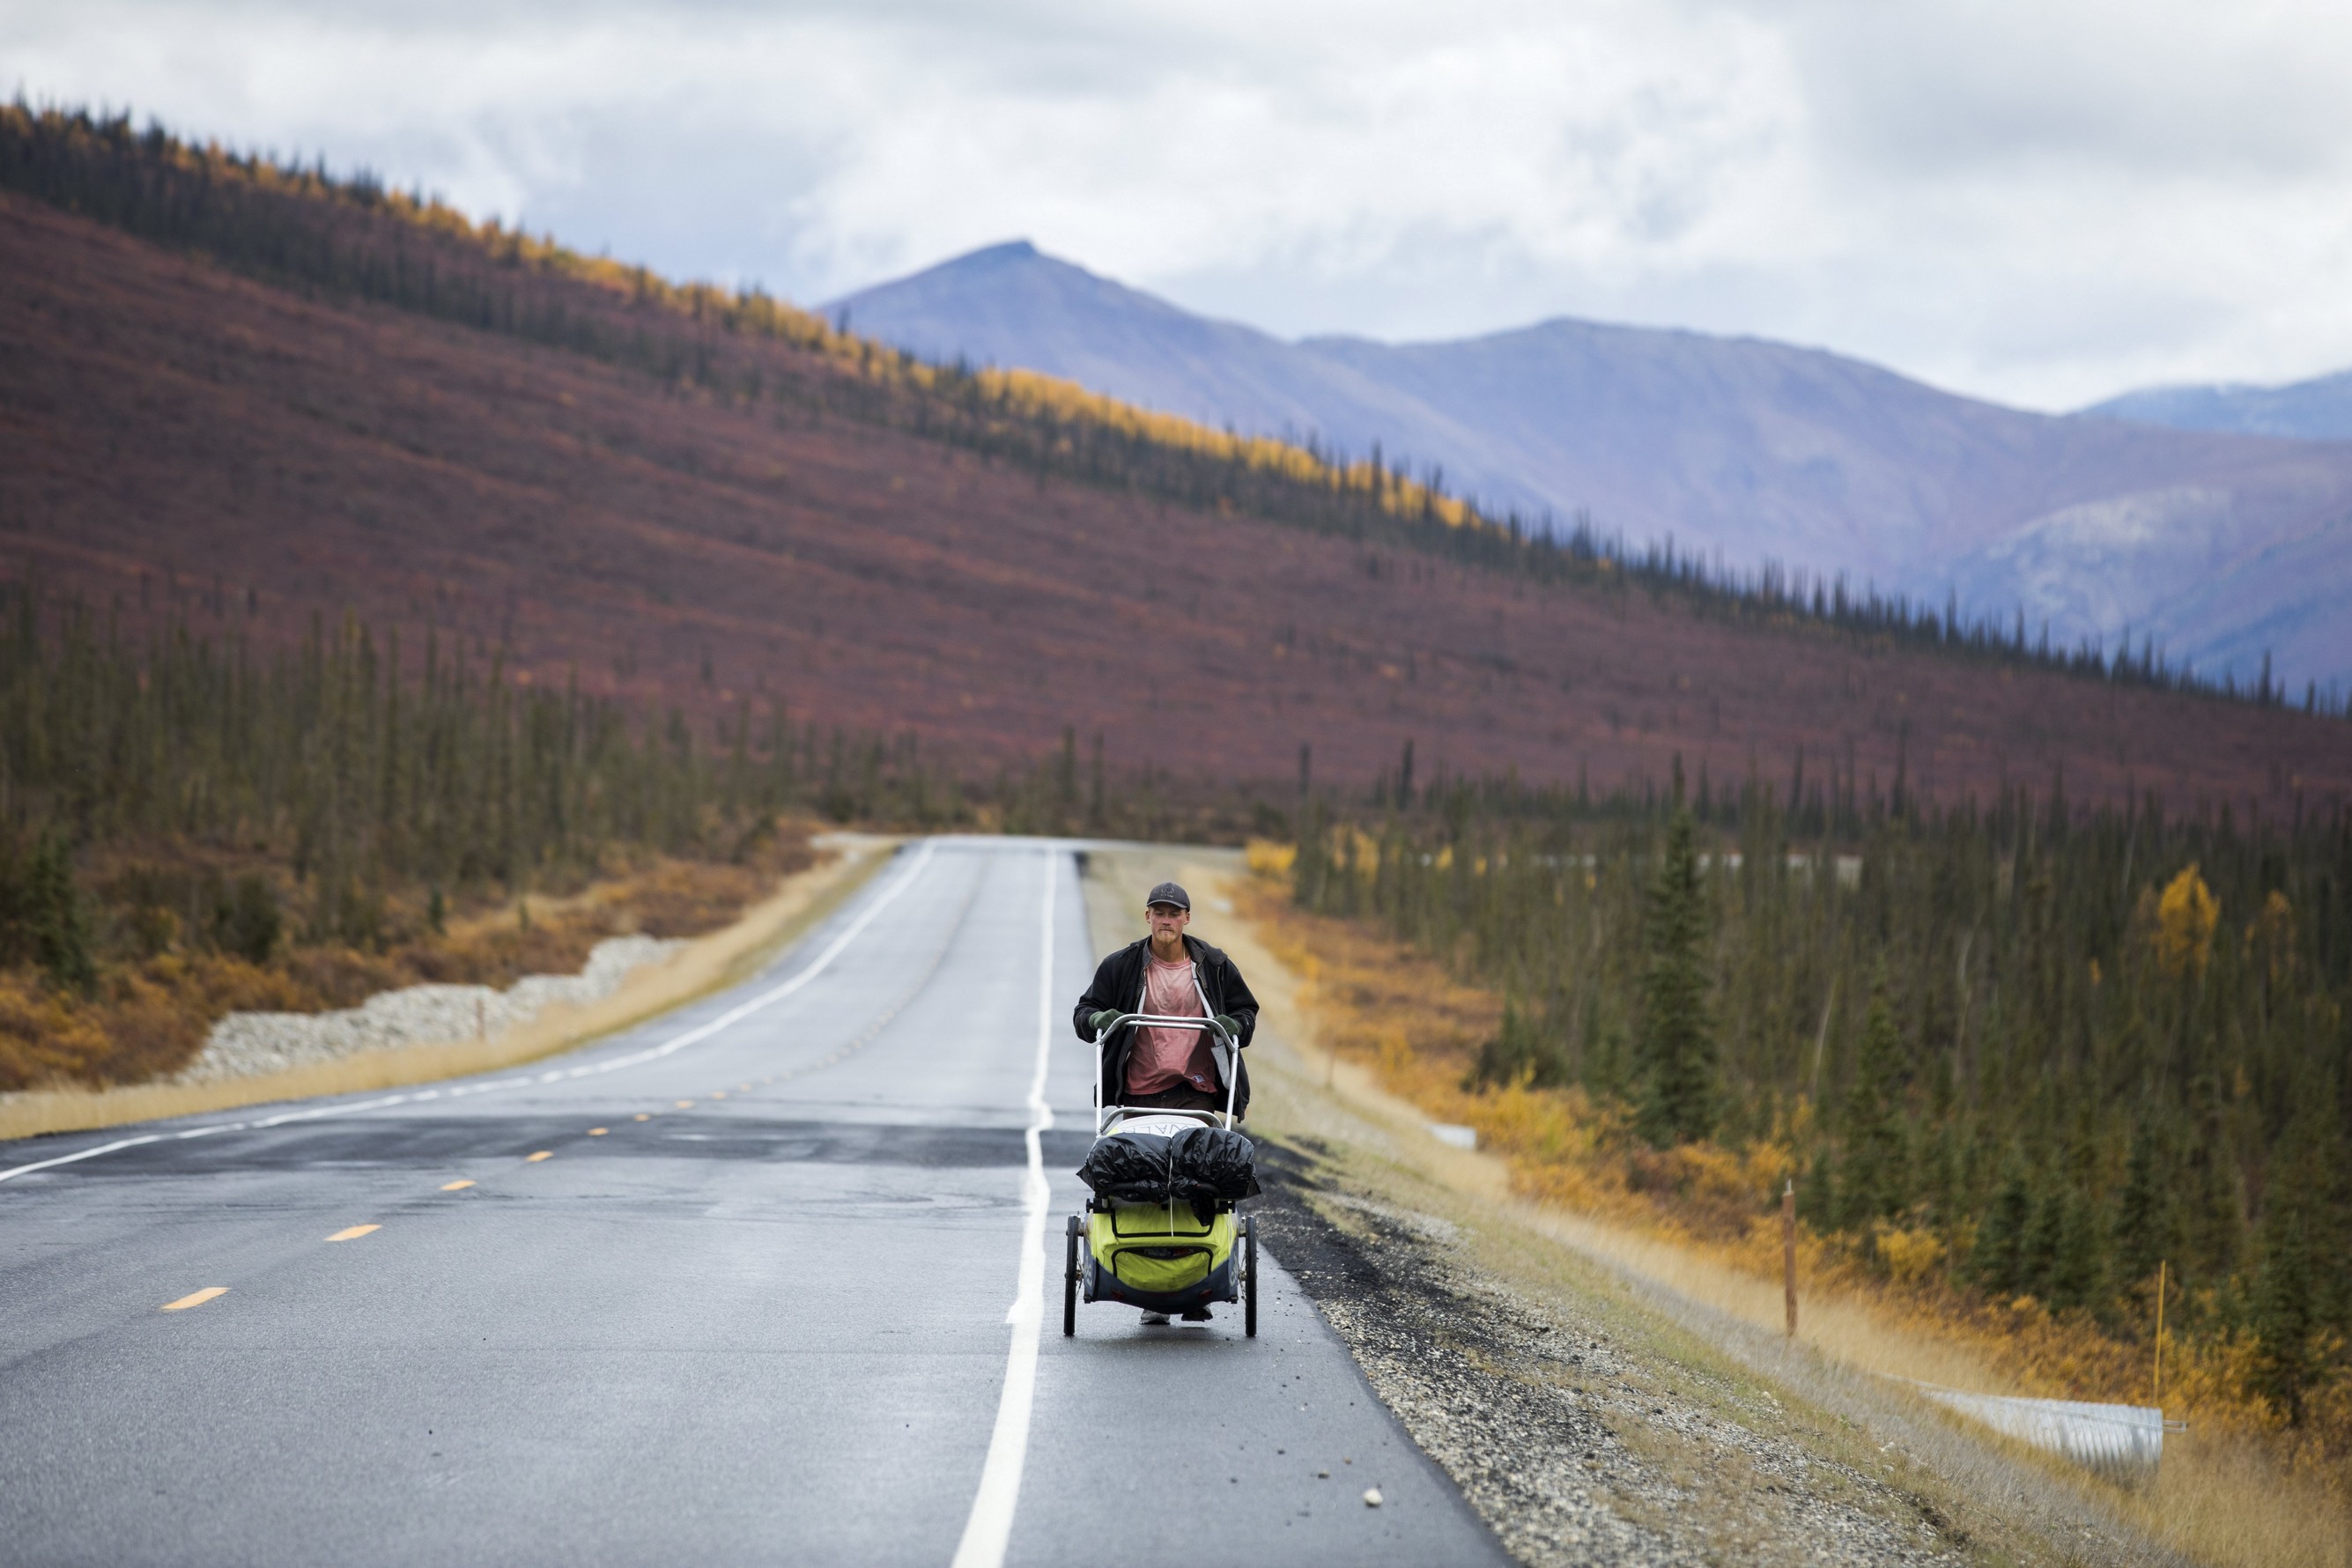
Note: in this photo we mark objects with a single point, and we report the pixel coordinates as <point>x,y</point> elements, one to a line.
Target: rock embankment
<point>245,1044</point>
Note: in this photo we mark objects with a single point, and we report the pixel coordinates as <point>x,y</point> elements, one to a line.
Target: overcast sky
<point>2042,202</point>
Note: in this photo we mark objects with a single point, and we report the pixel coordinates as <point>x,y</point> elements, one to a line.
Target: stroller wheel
<point>1070,1281</point>
<point>1249,1275</point>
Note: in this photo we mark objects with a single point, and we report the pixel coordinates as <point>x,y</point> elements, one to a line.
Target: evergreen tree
<point>1522,1051</point>
<point>2037,1251</point>
<point>248,921</point>
<point>1677,1037</point>
<point>2143,1215</point>
<point>59,926</point>
<point>2286,1298</point>
<point>1999,1263</point>
<point>1874,1178</point>
<point>2284,1315</point>
<point>2078,1270</point>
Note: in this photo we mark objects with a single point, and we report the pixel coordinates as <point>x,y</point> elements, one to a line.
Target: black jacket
<point>1118,986</point>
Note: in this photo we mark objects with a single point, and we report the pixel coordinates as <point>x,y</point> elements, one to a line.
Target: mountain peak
<point>1003,251</point>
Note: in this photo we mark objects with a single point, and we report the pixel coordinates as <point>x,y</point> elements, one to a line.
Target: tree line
<point>353,237</point>
<point>171,789</point>
<point>2023,1048</point>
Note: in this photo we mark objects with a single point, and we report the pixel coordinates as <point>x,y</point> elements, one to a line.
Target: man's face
<point>1167,922</point>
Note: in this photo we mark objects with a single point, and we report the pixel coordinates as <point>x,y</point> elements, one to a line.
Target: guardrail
<point>2122,1439</point>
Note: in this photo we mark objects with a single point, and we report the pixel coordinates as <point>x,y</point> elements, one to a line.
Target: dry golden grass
<point>148,1015</point>
<point>706,964</point>
<point>1395,1030</point>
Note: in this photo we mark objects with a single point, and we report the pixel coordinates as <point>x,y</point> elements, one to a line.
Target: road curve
<point>758,1281</point>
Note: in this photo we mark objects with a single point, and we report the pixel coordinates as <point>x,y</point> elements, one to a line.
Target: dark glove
<point>1102,1021</point>
<point>1230,1026</point>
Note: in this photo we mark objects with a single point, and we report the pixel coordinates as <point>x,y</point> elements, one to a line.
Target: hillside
<point>1752,449</point>
<point>183,441</point>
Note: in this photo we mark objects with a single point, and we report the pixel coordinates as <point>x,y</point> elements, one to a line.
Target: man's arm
<point>1096,999</point>
<point>1239,1004</point>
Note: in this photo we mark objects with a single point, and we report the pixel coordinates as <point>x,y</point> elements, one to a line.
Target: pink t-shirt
<point>1163,1058</point>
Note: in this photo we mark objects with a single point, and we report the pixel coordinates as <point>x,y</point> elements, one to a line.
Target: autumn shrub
<point>44,1036</point>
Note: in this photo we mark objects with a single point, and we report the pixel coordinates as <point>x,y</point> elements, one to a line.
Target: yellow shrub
<point>43,1037</point>
<point>1267,858</point>
<point>1910,1256</point>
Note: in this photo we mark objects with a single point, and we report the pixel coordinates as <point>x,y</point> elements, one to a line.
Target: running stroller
<point>1161,1232</point>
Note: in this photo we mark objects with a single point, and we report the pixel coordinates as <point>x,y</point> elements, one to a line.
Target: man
<point>1171,976</point>
<point>1175,976</point>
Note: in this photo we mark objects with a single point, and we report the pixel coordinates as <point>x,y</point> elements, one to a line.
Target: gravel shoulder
<point>1588,1420</point>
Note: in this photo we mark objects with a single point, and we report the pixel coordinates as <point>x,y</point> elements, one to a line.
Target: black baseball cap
<point>1168,893</point>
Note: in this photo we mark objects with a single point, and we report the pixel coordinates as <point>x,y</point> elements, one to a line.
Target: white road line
<point>735,1014</point>
<point>987,1530</point>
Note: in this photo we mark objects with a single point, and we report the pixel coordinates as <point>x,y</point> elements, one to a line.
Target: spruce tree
<point>1677,1037</point>
<point>1999,1260</point>
<point>60,929</point>
<point>2037,1251</point>
<point>2144,1216</point>
<point>1874,1178</point>
<point>1522,1051</point>
<point>2283,1317</point>
<point>2285,1314</point>
<point>2078,1270</point>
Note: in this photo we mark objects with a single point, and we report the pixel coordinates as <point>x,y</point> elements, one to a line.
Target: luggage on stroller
<point>1160,1231</point>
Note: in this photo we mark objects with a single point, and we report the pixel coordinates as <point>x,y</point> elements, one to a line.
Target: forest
<point>188,827</point>
<point>2022,1049</point>
<point>355,239</point>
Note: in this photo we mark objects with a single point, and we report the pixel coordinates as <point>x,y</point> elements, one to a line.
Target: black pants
<point>1183,1097</point>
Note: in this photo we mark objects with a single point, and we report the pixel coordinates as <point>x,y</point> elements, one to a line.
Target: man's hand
<point>1102,1021</point>
<point>1230,1025</point>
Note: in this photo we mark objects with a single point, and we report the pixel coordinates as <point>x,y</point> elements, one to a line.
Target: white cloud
<point>2042,204</point>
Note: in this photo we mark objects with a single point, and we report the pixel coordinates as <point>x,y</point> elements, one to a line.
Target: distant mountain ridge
<point>2319,409</point>
<point>2221,545</point>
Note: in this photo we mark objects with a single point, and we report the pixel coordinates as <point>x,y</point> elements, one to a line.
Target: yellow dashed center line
<point>685,1105</point>
<point>459,1186</point>
<point>643,1116</point>
<point>195,1298</point>
<point>597,1132</point>
<point>719,1094</point>
<point>354,1232</point>
<point>542,1154</point>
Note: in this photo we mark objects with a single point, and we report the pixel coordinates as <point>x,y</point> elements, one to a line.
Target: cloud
<point>2041,204</point>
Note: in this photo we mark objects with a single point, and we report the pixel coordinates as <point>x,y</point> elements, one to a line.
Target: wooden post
<point>2157,1397</point>
<point>1788,1249</point>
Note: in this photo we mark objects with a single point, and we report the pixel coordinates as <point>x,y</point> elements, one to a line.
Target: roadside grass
<point>1393,1026</point>
<point>709,963</point>
<point>165,970</point>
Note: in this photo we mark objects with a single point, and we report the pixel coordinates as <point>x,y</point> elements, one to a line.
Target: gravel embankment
<point>1581,1443</point>
<point>244,1044</point>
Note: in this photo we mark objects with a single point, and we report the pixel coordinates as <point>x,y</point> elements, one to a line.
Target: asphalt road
<point>734,1287</point>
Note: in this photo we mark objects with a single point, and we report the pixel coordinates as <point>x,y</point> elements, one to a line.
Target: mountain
<point>293,400</point>
<point>1738,449</point>
<point>2319,409</point>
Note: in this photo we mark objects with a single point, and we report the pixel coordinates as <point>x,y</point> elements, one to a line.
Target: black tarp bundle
<point>1199,1165</point>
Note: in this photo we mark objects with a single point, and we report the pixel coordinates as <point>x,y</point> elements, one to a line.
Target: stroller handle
<point>1169,1021</point>
<point>1226,1041</point>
